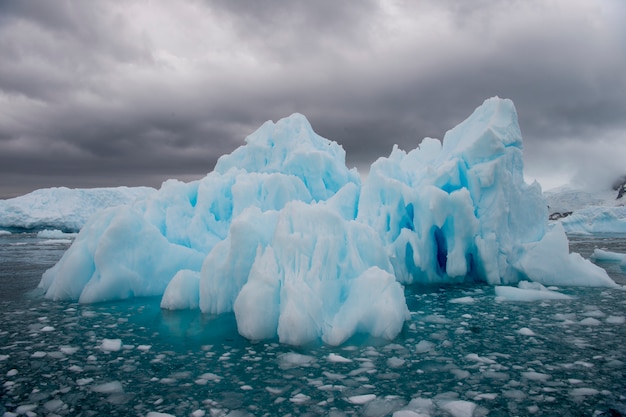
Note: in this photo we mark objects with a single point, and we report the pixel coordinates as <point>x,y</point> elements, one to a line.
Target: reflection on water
<point>481,356</point>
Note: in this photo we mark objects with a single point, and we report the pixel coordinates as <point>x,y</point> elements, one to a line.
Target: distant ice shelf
<point>601,211</point>
<point>63,208</point>
<point>288,238</point>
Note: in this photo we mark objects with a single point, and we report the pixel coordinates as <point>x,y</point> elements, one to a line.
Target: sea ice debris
<point>459,408</point>
<point>525,331</point>
<point>333,357</point>
<point>361,399</point>
<point>113,387</point>
<point>463,300</point>
<point>111,345</point>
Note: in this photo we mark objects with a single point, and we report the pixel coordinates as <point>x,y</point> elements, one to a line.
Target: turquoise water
<point>464,352</point>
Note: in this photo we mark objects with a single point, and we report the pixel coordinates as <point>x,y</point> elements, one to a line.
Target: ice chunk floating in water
<point>285,236</point>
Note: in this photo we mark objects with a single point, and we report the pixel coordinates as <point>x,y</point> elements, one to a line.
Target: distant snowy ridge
<point>284,235</point>
<point>587,212</point>
<point>64,208</point>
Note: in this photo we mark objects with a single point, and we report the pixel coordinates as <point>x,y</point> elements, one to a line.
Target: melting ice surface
<point>285,236</point>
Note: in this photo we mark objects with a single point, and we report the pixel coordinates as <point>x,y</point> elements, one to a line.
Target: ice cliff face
<point>285,236</point>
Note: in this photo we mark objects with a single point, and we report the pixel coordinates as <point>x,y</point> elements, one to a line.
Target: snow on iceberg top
<point>285,236</point>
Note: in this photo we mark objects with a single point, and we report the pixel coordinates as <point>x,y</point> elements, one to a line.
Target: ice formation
<point>596,220</point>
<point>64,208</point>
<point>588,212</point>
<point>285,236</point>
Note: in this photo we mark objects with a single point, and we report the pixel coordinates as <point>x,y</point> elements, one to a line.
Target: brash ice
<point>284,235</point>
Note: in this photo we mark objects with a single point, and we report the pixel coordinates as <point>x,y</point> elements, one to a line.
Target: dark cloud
<point>106,93</point>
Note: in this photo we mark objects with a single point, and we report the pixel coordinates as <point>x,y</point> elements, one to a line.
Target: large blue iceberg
<point>285,236</point>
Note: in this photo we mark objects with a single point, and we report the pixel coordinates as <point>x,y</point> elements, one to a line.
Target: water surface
<point>463,351</point>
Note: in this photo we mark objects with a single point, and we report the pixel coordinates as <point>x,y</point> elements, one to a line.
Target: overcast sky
<point>107,93</point>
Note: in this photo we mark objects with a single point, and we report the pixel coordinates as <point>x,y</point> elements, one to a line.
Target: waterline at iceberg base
<point>284,235</point>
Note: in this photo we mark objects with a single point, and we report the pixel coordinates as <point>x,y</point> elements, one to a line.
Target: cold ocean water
<point>464,352</point>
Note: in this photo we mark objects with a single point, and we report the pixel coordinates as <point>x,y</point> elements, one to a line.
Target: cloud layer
<point>107,93</point>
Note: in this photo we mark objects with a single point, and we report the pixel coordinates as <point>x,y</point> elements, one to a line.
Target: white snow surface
<point>64,208</point>
<point>284,235</point>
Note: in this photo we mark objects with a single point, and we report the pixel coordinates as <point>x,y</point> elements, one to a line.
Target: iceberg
<point>282,234</point>
<point>596,220</point>
<point>63,208</point>
<point>586,212</point>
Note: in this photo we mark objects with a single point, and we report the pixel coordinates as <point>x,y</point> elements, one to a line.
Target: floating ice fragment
<point>532,409</point>
<point>53,405</point>
<point>144,347</point>
<point>474,357</point>
<point>300,398</point>
<point>25,408</point>
<point>198,413</point>
<point>536,376</point>
<point>528,292</point>
<point>293,360</point>
<point>113,387</point>
<point>361,399</point>
<point>580,392</point>
<point>514,394</point>
<point>68,350</point>
<point>395,362</point>
<point>333,357</point>
<point>5,357</point>
<point>274,390</point>
<point>463,300</point>
<point>590,321</point>
<point>424,346</point>
<point>111,345</point>
<point>38,354</point>
<point>84,381</point>
<point>616,320</point>
<point>486,396</point>
<point>594,313</point>
<point>607,256</point>
<point>525,331</point>
<point>459,408</point>
<point>158,414</point>
<point>210,377</point>
<point>47,329</point>
<point>12,372</point>
<point>460,373</point>
<point>437,319</point>
<point>409,413</point>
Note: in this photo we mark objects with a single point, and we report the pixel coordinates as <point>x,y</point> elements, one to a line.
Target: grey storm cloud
<point>106,93</point>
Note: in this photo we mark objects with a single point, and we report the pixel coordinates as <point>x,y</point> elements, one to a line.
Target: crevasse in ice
<point>285,236</point>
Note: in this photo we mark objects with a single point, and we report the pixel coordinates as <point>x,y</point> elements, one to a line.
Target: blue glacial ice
<point>284,235</point>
